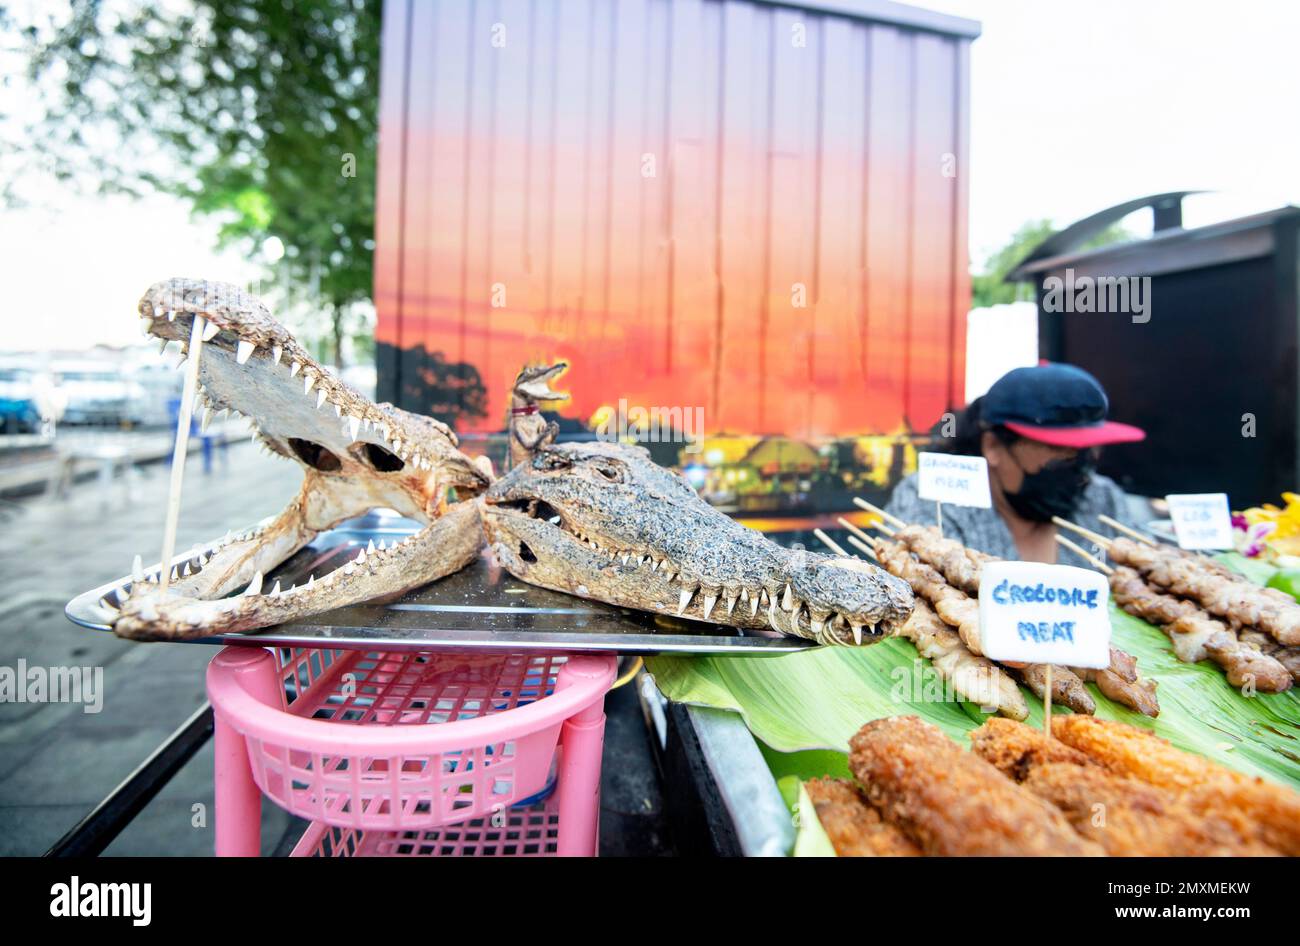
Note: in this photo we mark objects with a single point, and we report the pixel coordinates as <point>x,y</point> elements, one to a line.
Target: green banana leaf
<point>806,706</point>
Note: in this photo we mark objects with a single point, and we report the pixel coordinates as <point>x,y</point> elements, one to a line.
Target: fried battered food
<point>1196,636</point>
<point>973,677</point>
<point>961,568</point>
<point>1125,815</point>
<point>854,828</point>
<point>1240,603</point>
<point>1259,811</point>
<point>952,802</point>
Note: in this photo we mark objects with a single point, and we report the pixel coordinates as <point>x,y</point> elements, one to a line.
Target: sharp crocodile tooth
<point>753,605</point>
<point>173,576</point>
<point>354,425</point>
<point>348,569</point>
<point>361,557</point>
<point>276,352</point>
<point>207,419</point>
<point>276,590</point>
<point>338,410</point>
<point>320,398</point>
<point>254,586</point>
<point>137,569</point>
<point>171,315</point>
<point>308,382</point>
<point>709,602</point>
<point>771,617</point>
<point>766,598</point>
<point>371,547</point>
<point>815,624</point>
<point>397,445</point>
<point>185,572</point>
<point>685,599</point>
<point>162,346</point>
<point>787,599</point>
<point>210,331</point>
<point>311,580</point>
<point>295,368</point>
<point>145,325</point>
<point>625,557</point>
<point>731,603</point>
<point>244,351</point>
<point>857,634</point>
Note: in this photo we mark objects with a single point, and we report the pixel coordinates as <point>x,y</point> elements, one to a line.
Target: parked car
<point>98,393</point>
<point>18,411</point>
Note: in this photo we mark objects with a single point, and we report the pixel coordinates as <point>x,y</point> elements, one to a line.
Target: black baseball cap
<point>1055,404</point>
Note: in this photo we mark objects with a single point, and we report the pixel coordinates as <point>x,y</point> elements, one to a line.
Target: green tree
<point>989,287</point>
<point>260,112</point>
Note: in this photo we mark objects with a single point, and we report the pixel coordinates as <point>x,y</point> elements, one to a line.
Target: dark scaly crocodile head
<point>356,455</point>
<point>603,521</point>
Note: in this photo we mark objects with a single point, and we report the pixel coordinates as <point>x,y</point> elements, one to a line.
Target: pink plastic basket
<point>396,742</point>
<point>531,831</point>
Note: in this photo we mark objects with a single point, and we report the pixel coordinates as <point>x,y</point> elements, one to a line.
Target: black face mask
<point>1055,490</point>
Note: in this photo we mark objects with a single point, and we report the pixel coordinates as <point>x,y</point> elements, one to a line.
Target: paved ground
<point>57,761</point>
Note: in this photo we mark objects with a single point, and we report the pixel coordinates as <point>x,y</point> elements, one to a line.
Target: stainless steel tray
<point>479,608</point>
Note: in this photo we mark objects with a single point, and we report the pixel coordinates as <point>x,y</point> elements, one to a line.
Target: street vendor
<point>1040,429</point>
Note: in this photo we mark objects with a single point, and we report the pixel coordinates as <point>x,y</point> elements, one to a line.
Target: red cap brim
<point>1094,435</point>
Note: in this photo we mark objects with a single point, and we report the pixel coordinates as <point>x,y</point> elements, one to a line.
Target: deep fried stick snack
<point>855,828</point>
<point>1125,815</point>
<point>953,803</point>
<point>1258,810</point>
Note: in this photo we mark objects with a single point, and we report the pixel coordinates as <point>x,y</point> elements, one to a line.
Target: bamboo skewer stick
<point>1131,533</point>
<point>859,544</point>
<point>1086,533</point>
<point>853,529</point>
<point>1086,556</point>
<point>185,415</point>
<point>834,546</point>
<point>888,517</point>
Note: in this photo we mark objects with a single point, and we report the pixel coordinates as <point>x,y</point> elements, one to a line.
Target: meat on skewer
<point>1288,657</point>
<point>1240,603</point>
<point>973,677</point>
<point>961,567</point>
<point>959,610</point>
<point>1197,636</point>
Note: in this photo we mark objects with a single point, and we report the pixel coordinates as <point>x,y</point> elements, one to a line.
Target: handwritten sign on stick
<point>1201,520</point>
<point>1044,614</point>
<point>948,478</point>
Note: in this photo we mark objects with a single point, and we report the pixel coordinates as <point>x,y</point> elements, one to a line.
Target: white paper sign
<point>948,478</point>
<point>1044,614</point>
<point>1201,520</point>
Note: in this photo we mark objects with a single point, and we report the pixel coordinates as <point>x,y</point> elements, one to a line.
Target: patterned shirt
<point>984,530</point>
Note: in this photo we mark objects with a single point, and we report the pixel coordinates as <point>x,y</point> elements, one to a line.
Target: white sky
<point>1076,105</point>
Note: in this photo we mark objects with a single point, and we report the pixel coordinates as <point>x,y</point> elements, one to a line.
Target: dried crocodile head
<point>602,521</point>
<point>355,455</point>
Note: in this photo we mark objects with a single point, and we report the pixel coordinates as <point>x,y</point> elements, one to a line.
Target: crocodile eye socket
<point>381,459</point>
<point>315,456</point>
<point>609,472</point>
<point>551,461</point>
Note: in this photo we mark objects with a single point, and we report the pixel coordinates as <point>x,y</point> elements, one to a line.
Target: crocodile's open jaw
<point>603,521</point>
<point>356,456</point>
